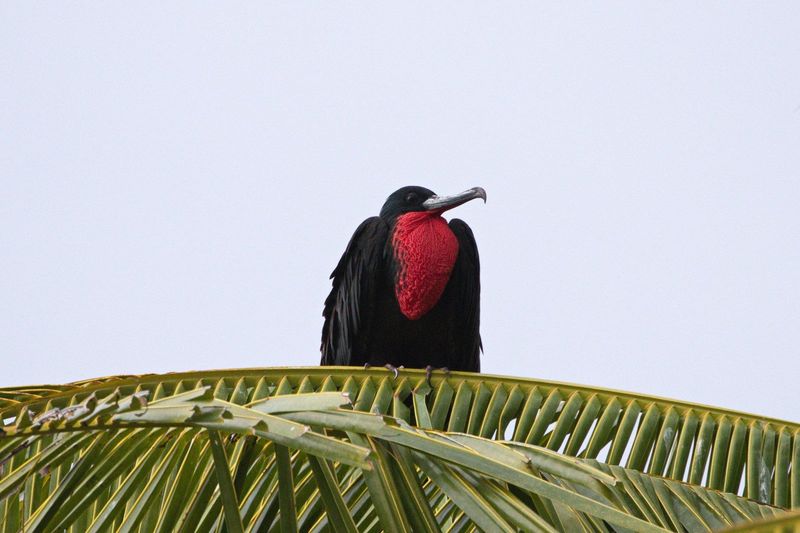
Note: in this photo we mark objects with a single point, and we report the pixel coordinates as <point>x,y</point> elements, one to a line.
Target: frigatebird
<point>406,291</point>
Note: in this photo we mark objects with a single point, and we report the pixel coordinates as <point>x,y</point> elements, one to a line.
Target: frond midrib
<point>343,372</point>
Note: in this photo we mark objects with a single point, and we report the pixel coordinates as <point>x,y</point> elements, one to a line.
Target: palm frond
<point>306,461</point>
<point>784,523</point>
<point>306,449</point>
<point>712,447</point>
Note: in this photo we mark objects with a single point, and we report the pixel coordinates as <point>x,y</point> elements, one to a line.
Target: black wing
<point>352,297</point>
<point>464,290</point>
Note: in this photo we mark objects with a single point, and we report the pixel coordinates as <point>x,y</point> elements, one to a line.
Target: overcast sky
<point>178,180</point>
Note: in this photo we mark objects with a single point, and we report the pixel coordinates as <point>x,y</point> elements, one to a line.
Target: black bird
<point>406,291</point>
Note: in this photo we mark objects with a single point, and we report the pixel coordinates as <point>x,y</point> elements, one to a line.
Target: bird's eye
<point>410,197</point>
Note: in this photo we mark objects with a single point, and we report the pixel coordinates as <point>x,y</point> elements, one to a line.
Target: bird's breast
<point>425,251</point>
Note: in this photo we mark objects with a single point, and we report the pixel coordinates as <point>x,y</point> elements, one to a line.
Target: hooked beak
<point>443,203</point>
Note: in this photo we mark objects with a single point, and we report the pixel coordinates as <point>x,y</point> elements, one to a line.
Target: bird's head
<point>419,199</point>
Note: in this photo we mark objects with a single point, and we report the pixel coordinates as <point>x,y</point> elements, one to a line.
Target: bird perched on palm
<point>406,291</point>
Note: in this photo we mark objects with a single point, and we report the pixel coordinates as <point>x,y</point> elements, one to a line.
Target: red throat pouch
<point>425,250</point>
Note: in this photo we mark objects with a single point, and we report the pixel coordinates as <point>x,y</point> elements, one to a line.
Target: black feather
<point>354,283</point>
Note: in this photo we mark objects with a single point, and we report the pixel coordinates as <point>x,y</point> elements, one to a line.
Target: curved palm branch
<point>284,449</point>
<point>785,523</point>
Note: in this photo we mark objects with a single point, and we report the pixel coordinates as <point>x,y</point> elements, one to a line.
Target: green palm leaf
<point>313,448</point>
<point>785,523</point>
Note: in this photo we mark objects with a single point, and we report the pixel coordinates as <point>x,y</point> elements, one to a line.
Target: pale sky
<point>178,180</point>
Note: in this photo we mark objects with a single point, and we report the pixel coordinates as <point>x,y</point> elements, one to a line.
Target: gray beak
<point>443,203</point>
